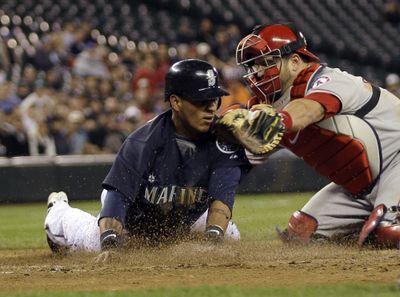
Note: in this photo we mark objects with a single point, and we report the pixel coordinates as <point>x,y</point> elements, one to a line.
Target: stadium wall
<point>31,179</point>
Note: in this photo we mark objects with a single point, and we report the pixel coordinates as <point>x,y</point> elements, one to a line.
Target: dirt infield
<point>248,264</point>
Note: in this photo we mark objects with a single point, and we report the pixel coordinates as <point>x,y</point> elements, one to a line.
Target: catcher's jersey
<point>353,92</point>
<point>170,181</point>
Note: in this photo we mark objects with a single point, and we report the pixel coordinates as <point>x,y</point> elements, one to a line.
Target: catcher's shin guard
<point>300,228</point>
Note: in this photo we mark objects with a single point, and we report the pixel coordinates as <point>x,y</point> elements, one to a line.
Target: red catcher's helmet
<point>265,44</point>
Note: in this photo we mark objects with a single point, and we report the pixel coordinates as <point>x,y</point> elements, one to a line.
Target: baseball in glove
<point>259,129</point>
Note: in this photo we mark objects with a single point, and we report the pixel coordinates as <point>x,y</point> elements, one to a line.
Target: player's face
<point>196,116</point>
<point>284,75</point>
<point>288,70</point>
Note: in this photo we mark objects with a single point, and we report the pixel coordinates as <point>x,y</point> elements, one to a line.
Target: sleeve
<point>126,173</point>
<point>115,206</point>
<point>352,91</point>
<point>331,103</point>
<point>223,184</point>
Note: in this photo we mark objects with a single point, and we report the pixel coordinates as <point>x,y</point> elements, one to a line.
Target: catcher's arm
<point>218,218</point>
<point>303,112</point>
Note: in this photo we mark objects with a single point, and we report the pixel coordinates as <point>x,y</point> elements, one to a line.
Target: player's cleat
<point>56,197</point>
<point>56,248</point>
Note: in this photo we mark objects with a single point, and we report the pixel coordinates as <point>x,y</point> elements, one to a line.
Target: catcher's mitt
<point>259,129</point>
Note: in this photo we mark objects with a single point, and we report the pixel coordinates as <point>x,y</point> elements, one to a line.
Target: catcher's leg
<point>330,214</point>
<point>380,232</point>
<point>71,228</point>
<point>232,231</point>
<point>383,225</point>
<point>300,229</point>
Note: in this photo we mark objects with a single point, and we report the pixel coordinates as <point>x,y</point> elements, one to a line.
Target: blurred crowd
<point>75,94</point>
<point>72,90</point>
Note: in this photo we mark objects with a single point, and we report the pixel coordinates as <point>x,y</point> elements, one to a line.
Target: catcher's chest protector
<point>343,148</point>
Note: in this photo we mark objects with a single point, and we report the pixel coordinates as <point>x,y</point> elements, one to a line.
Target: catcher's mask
<point>263,47</point>
<point>193,80</point>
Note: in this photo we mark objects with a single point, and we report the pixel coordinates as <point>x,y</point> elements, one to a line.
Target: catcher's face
<point>192,118</point>
<point>260,62</point>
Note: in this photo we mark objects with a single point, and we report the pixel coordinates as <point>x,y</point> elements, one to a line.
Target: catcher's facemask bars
<point>248,51</point>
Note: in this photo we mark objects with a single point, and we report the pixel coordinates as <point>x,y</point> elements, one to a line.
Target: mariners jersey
<point>330,151</point>
<point>170,181</point>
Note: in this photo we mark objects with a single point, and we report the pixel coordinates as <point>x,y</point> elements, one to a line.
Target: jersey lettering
<point>178,195</point>
<point>150,195</point>
<point>163,198</point>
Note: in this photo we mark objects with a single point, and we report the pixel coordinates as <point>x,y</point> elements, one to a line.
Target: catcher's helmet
<point>194,80</point>
<point>269,42</point>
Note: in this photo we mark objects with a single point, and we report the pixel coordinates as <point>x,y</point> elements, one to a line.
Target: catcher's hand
<point>259,129</point>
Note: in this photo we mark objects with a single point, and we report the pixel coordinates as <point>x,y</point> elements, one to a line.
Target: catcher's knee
<point>379,232</point>
<point>300,229</point>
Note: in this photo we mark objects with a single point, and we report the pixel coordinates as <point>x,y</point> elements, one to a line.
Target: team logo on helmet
<point>211,78</point>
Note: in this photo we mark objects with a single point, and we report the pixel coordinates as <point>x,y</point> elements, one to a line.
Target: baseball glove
<point>259,129</point>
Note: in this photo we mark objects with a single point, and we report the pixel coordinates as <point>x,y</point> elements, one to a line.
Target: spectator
<point>146,72</point>
<point>205,33</point>
<point>185,33</point>
<point>77,135</point>
<point>34,110</point>
<point>41,142</point>
<point>391,11</point>
<point>90,62</point>
<point>392,83</point>
<point>29,76</point>
<point>8,100</point>
<point>58,132</point>
<point>13,136</point>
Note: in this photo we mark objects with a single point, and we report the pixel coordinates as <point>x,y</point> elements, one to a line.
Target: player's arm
<point>218,218</point>
<point>112,220</point>
<point>303,112</point>
<point>222,188</point>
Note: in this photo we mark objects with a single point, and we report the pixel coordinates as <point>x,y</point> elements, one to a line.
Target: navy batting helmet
<point>193,79</point>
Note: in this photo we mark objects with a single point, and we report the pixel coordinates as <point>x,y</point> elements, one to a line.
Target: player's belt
<point>372,102</point>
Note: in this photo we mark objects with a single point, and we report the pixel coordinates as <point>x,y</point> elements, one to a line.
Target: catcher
<point>346,128</point>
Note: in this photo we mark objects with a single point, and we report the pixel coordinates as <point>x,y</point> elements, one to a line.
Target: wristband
<point>286,120</point>
<point>109,239</point>
<point>215,233</point>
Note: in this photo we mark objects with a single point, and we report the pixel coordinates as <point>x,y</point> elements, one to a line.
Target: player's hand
<point>214,234</point>
<point>110,239</point>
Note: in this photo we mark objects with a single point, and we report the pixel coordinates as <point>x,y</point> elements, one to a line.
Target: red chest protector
<point>343,148</point>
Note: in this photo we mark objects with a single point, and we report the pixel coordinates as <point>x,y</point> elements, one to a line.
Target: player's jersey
<point>170,181</point>
<point>329,154</point>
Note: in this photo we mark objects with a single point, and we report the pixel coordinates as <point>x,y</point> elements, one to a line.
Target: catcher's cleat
<point>56,197</point>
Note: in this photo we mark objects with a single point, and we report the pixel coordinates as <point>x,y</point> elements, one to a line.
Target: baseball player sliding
<point>346,128</point>
<point>170,177</point>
